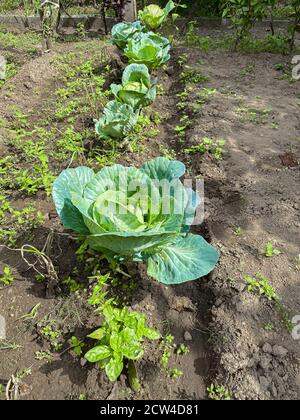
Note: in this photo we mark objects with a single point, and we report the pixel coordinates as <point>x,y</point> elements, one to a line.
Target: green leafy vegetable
<point>137,214</point>
<point>117,120</point>
<point>149,49</point>
<point>121,336</point>
<point>124,31</point>
<point>153,16</point>
<point>136,90</point>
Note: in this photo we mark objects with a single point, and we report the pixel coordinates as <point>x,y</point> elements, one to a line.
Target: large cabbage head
<point>153,16</point>
<point>122,32</point>
<point>137,214</point>
<point>149,49</point>
<point>136,89</point>
<point>117,120</point>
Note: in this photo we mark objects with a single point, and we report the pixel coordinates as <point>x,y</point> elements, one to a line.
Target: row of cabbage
<point>137,214</point>
<point>146,51</point>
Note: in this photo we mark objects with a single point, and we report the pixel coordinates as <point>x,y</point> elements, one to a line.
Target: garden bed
<point>237,339</point>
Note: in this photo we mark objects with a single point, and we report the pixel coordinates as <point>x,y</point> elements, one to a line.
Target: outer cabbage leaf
<point>71,181</point>
<point>122,32</point>
<point>188,258</point>
<point>149,49</point>
<point>130,244</point>
<point>117,121</point>
<point>162,168</point>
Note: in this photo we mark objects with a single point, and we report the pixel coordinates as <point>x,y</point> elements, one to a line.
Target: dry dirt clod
<point>182,303</point>
<point>279,351</point>
<point>267,348</point>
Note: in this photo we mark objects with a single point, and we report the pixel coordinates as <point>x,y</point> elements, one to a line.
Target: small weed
<point>219,393</point>
<point>77,346</point>
<point>49,330</point>
<point>43,355</point>
<point>16,221</point>
<point>72,285</point>
<point>269,327</point>
<point>297,262</point>
<point>182,349</point>
<point>249,70</point>
<point>208,145</point>
<point>269,250</point>
<point>168,347</point>
<point>254,115</point>
<point>167,153</point>
<point>237,231</point>
<point>260,284</point>
<point>190,75</point>
<point>175,373</point>
<point>7,278</point>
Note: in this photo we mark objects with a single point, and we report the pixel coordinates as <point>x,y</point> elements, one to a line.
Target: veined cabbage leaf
<point>117,120</point>
<point>149,49</point>
<point>122,32</point>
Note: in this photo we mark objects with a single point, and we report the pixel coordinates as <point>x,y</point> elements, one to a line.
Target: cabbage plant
<point>153,16</point>
<point>149,49</point>
<point>117,120</point>
<point>122,32</point>
<point>132,214</point>
<point>136,89</point>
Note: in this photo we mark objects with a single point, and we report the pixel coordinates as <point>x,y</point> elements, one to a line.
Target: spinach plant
<point>120,339</point>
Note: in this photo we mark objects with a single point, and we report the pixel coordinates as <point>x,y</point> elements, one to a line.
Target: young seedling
<point>49,330</point>
<point>182,349</point>
<point>120,339</point>
<point>7,279</point>
<point>269,327</point>
<point>43,355</point>
<point>270,251</point>
<point>168,347</point>
<point>72,285</point>
<point>77,345</point>
<point>208,145</point>
<point>218,393</point>
<point>237,231</point>
<point>100,292</point>
<point>260,285</point>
